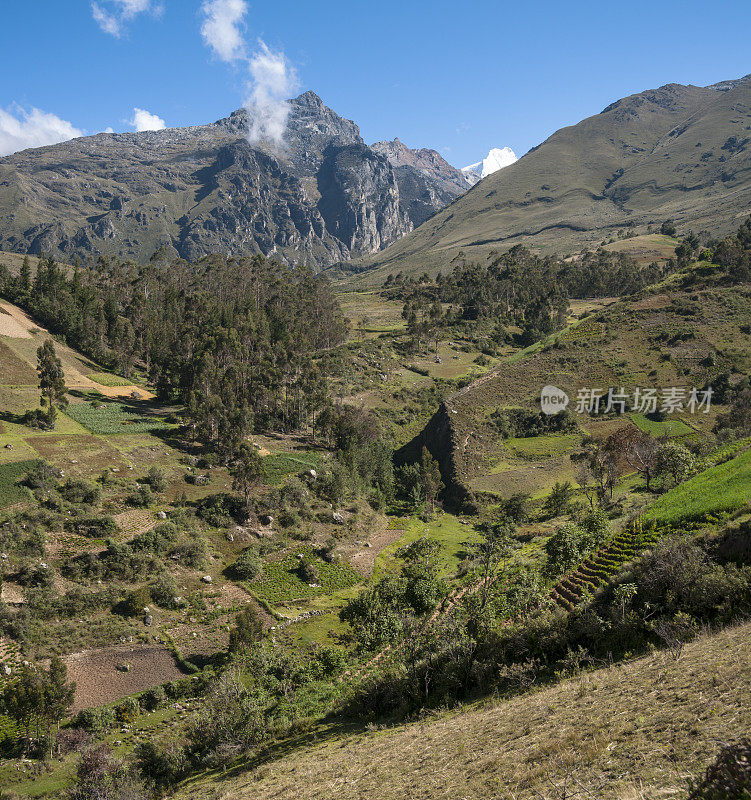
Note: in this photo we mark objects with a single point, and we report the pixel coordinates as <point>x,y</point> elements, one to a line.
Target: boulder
<point>337,518</point>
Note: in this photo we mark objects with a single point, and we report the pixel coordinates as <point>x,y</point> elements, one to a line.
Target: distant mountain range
<point>322,198</point>
<point>496,159</point>
<point>677,152</point>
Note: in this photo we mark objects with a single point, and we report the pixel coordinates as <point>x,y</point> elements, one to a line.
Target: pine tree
<point>24,278</point>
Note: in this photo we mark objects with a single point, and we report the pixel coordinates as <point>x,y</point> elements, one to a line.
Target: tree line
<point>237,341</point>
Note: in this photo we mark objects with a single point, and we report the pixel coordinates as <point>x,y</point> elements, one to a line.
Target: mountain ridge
<point>318,198</point>
<point>676,152</point>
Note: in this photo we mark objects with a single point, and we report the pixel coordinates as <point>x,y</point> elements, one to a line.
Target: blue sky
<point>457,76</point>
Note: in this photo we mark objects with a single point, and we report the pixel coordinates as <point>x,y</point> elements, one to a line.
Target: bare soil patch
<point>98,681</point>
<point>14,323</point>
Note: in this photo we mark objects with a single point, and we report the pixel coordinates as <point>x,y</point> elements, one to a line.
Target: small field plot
<point>10,475</point>
<point>539,448</point>
<point>83,455</point>
<point>371,314</point>
<point>110,379</point>
<point>277,466</point>
<point>98,680</point>
<point>506,479</point>
<point>647,248</point>
<point>725,487</point>
<point>454,362</point>
<point>672,426</point>
<point>281,580</point>
<point>107,418</point>
<point>14,371</point>
<point>449,531</point>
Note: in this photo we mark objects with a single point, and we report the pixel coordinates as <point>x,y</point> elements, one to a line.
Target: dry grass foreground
<point>632,731</point>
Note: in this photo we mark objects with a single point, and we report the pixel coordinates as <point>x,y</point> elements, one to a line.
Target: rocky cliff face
<point>427,182</point>
<point>319,199</point>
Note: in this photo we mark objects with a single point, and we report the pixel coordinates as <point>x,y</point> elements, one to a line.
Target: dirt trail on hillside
<point>15,324</point>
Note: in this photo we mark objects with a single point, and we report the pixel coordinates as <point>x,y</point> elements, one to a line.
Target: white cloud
<point>113,16</point>
<point>221,28</point>
<point>272,80</point>
<point>21,129</point>
<point>145,121</point>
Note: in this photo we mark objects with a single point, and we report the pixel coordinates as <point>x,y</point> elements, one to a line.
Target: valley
<point>332,469</point>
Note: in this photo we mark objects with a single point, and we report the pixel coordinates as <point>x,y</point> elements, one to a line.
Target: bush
<point>157,479</point>
<point>127,712</point>
<point>153,698</point>
<point>158,540</point>
<point>142,497</point>
<point>220,510</point>
<point>164,590</point>
<point>192,553</point>
<point>308,570</point>
<point>75,490</point>
<point>72,740</point>
<point>96,721</point>
<point>247,565</point>
<point>43,476</point>
<point>136,601</point>
<point>94,527</point>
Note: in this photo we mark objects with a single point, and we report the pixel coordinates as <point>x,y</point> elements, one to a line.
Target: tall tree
<point>246,472</point>
<point>51,380</point>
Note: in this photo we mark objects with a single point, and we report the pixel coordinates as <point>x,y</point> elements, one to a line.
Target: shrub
<point>157,479</point>
<point>247,565</point>
<point>220,510</point>
<point>42,476</point>
<point>136,601</point>
<point>75,490</point>
<point>153,698</point>
<point>94,527</point>
<point>142,497</point>
<point>192,553</point>
<point>127,711</point>
<point>96,721</point>
<point>729,777</point>
<point>308,570</point>
<point>164,590</point>
<point>158,540</point>
<point>72,740</point>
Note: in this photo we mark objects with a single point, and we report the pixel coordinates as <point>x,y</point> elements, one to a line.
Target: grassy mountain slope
<point>657,720</point>
<point>679,333</point>
<point>680,152</point>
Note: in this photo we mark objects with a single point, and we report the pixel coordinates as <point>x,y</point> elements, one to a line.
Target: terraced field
<point>600,567</point>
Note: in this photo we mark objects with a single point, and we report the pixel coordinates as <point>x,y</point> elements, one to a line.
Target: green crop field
<point>448,530</point>
<point>278,465</point>
<point>111,418</point>
<point>725,487</point>
<point>10,474</point>
<point>110,379</point>
<point>280,581</point>
<point>670,427</point>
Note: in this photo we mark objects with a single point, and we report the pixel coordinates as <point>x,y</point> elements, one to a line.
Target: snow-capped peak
<point>497,158</point>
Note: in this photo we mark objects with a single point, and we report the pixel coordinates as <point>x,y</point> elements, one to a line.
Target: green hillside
<point>677,152</point>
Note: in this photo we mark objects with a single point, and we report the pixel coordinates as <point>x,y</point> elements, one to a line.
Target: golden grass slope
<point>625,732</point>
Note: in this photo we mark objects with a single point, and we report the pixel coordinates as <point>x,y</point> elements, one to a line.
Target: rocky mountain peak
<point>318,197</point>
